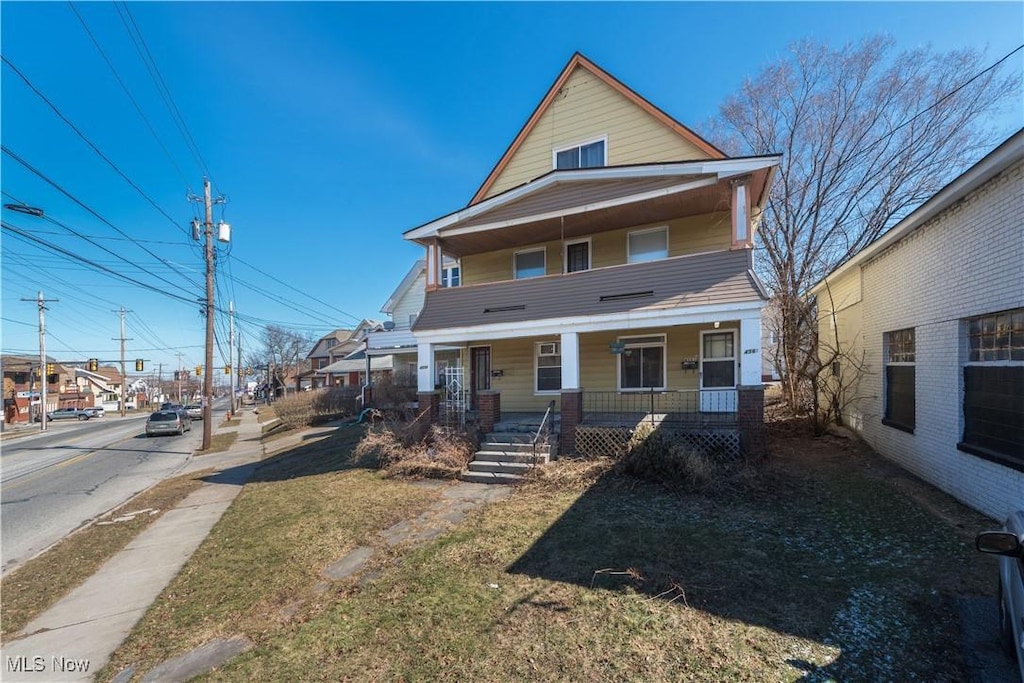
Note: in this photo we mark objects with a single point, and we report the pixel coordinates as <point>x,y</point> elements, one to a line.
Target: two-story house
<point>605,264</point>
<point>319,357</point>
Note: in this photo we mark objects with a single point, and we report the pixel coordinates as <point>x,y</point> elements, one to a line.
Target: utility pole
<point>124,381</point>
<point>231,345</point>
<point>179,377</point>
<point>41,302</point>
<point>208,249</point>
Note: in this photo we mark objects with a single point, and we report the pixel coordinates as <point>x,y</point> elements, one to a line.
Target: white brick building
<point>935,308</point>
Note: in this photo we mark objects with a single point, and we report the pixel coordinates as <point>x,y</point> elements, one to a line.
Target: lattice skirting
<point>614,441</point>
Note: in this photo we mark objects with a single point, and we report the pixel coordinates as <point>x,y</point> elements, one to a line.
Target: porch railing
<point>698,407</point>
<point>543,430</point>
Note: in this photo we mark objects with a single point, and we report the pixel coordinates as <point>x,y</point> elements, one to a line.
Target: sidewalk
<point>75,638</point>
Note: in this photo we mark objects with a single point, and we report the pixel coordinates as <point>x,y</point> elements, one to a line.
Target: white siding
<point>967,261</point>
<point>411,302</point>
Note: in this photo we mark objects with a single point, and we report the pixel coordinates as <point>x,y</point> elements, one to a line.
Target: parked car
<point>195,411</point>
<point>1008,543</point>
<point>94,411</point>
<point>68,414</point>
<point>167,422</point>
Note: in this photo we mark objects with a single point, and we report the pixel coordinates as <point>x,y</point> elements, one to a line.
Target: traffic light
<point>248,371</point>
<point>94,364</point>
<point>199,370</point>
<point>139,365</point>
<point>49,369</point>
<point>177,375</point>
<point>227,369</point>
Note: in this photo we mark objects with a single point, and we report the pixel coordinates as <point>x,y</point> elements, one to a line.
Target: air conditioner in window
<point>549,349</point>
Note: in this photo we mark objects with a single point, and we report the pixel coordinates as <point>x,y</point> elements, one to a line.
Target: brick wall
<point>965,262</point>
<point>570,417</point>
<point>489,410</point>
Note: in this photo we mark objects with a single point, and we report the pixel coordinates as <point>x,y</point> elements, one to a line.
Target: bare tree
<point>282,352</point>
<point>865,136</point>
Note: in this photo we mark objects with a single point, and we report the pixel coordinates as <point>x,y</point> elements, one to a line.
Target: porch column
<point>433,266</point>
<point>489,410</point>
<point>570,360</point>
<point>741,213</point>
<point>425,377</point>
<point>750,392</point>
<point>750,351</point>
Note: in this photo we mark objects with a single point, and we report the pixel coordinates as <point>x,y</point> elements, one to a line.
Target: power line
<point>89,142</point>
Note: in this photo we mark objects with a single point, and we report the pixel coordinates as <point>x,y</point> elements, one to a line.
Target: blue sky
<point>332,128</point>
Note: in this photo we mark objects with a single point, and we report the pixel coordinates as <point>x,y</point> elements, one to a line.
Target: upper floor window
<point>577,256</point>
<point>451,276</point>
<point>588,155</point>
<point>529,263</point>
<point>331,343</point>
<point>647,245</point>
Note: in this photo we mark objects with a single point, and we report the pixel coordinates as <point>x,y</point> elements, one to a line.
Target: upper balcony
<point>701,206</point>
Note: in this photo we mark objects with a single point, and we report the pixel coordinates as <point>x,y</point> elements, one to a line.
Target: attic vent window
<point>627,296</point>
<point>502,309</point>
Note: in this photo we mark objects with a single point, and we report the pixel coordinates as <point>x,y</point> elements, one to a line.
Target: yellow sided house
<point>605,279</point>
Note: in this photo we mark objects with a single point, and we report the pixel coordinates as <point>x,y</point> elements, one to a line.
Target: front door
<point>718,371</point>
<point>480,372</point>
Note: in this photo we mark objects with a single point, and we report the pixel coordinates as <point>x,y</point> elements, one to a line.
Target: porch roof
<point>715,278</point>
<point>573,203</point>
<point>357,365</point>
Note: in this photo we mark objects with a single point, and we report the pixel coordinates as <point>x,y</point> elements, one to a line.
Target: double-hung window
<point>642,363</point>
<point>993,398</point>
<point>450,276</point>
<point>900,370</point>
<point>529,263</point>
<point>548,375</point>
<point>587,155</point>
<point>647,245</point>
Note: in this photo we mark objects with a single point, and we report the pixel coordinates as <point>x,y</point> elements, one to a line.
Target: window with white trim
<point>647,245</point>
<point>900,377</point>
<point>548,367</point>
<point>642,363</point>
<point>451,276</point>
<point>587,155</point>
<point>993,397</point>
<point>529,263</point>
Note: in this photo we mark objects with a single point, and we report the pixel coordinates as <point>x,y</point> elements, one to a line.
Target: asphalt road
<point>54,482</point>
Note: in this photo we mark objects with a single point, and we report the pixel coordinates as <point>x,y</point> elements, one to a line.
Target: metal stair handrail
<point>543,429</point>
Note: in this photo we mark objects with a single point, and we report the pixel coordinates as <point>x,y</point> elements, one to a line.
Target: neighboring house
<point>319,358</point>
<point>605,265</point>
<point>339,370</point>
<point>395,336</point>
<point>932,312</point>
<point>102,388</point>
<point>22,390</point>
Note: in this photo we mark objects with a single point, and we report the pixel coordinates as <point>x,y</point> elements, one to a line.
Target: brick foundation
<point>430,402</point>
<point>489,407</point>
<point>753,443</point>
<point>570,418</point>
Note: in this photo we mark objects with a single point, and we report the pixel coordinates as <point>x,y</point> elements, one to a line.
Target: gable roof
<point>1010,152</point>
<point>403,286</point>
<point>579,61</point>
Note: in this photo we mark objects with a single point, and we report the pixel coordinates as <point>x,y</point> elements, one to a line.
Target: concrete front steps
<point>505,458</point>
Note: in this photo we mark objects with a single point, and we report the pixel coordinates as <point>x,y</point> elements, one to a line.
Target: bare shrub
<point>569,474</point>
<point>660,456</point>
<point>441,453</point>
<point>396,392</point>
<point>310,407</point>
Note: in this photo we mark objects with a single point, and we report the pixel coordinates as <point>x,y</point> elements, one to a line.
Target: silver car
<point>168,422</point>
<point>1008,543</point>
<point>195,411</point>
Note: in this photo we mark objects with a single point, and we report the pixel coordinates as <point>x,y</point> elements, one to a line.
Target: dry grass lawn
<point>829,565</point>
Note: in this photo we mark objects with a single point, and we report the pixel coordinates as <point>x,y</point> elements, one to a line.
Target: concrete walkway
<point>75,638</point>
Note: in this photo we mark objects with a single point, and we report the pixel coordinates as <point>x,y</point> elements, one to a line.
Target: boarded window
<point>647,245</point>
<point>529,264</point>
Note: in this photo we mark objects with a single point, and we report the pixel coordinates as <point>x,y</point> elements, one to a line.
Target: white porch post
<point>740,213</point>
<point>433,266</point>
<point>750,351</point>
<point>570,360</point>
<point>425,368</point>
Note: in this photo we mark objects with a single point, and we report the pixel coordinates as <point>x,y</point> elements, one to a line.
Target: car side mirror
<point>999,543</point>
